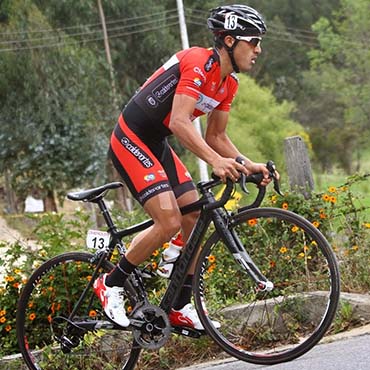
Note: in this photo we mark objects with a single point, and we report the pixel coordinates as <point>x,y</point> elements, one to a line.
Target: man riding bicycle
<point>191,83</point>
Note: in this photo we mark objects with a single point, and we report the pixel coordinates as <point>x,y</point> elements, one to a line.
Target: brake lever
<point>272,169</point>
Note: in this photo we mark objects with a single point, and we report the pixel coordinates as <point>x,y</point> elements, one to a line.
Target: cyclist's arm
<point>181,126</point>
<point>218,140</point>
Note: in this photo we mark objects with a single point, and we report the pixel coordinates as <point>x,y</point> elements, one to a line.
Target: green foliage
<point>258,136</point>
<point>50,115</point>
<point>339,83</point>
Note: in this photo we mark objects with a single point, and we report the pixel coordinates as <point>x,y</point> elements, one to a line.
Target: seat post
<point>107,217</point>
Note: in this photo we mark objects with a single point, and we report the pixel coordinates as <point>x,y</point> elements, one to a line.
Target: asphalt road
<point>346,354</point>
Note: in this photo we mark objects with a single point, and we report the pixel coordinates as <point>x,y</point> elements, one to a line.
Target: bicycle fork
<point>236,247</point>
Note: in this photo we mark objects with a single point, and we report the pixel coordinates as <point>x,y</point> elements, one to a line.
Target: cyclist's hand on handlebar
<point>228,168</point>
<point>253,167</point>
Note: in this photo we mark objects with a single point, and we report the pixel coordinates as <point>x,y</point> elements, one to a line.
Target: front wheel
<point>268,327</point>
<point>50,338</point>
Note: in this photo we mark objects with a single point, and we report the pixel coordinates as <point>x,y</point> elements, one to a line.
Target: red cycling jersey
<point>138,147</point>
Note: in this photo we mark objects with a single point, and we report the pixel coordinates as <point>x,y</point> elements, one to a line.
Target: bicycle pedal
<point>188,332</point>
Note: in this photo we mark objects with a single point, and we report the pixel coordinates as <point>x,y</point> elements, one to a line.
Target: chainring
<point>151,327</point>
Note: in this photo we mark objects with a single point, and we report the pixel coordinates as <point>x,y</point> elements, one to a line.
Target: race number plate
<point>98,240</point>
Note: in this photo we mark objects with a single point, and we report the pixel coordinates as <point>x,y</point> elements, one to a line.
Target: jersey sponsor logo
<point>137,152</point>
<point>206,104</point>
<point>209,64</point>
<point>197,81</point>
<point>200,72</point>
<point>151,101</point>
<point>165,88</point>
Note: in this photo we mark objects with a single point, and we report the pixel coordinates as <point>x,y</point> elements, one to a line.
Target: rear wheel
<point>268,327</point>
<point>49,339</point>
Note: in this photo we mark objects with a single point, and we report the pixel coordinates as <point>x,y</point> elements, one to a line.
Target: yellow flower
<point>211,259</point>
<point>2,313</point>
<point>301,255</point>
<point>333,199</point>
<point>129,309</point>
<point>332,189</point>
<point>367,225</point>
<point>316,223</point>
<point>285,205</point>
<point>2,320</point>
<point>165,245</point>
<point>154,265</point>
<point>17,271</point>
<point>252,222</point>
<point>9,279</point>
<point>283,249</point>
<point>155,253</point>
<point>355,248</point>
<point>295,229</point>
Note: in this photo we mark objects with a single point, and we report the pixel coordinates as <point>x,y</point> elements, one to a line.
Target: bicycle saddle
<point>94,194</point>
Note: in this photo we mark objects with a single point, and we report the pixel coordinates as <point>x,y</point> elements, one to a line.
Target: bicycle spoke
<point>49,336</point>
<point>277,325</point>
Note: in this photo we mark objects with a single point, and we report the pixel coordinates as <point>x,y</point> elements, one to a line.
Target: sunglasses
<point>253,40</point>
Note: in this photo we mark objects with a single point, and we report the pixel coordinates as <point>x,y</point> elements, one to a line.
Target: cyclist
<point>191,83</point>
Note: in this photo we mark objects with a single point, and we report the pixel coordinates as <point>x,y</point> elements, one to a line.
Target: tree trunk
<point>49,202</point>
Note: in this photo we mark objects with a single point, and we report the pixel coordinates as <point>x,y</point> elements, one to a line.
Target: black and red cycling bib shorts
<point>139,148</point>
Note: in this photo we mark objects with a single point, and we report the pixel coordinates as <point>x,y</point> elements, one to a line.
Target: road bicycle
<point>267,275</point>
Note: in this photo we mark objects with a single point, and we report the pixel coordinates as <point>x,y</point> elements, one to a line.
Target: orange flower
<point>8,328</point>
<point>272,264</point>
<point>2,313</point>
<point>295,229</point>
<point>285,205</point>
<point>211,259</point>
<point>50,319</point>
<point>155,253</point>
<point>154,265</point>
<point>333,199</point>
<point>129,309</point>
<point>32,316</point>
<point>2,320</point>
<point>165,245</point>
<point>16,285</point>
<point>326,197</point>
<point>211,268</point>
<point>322,215</point>
<point>252,222</point>
<point>92,313</point>
<point>9,279</point>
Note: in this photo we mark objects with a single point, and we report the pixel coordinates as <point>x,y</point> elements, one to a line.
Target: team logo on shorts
<point>150,177</point>
<point>151,101</point>
<point>162,173</point>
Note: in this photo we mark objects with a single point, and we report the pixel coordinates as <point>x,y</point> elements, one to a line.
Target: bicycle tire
<point>268,327</point>
<point>51,292</point>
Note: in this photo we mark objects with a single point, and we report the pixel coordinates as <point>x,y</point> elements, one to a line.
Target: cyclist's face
<point>245,54</point>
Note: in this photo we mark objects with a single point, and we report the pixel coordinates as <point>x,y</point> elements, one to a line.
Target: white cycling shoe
<point>112,301</point>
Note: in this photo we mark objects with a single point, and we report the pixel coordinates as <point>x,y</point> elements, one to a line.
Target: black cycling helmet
<point>238,20</point>
<point>235,20</point>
